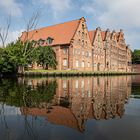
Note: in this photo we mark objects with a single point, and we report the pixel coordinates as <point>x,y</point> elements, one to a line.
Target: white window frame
<point>65,62</point>
<point>83,64</point>
<point>77,63</point>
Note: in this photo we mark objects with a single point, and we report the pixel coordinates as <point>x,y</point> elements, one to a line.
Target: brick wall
<point>136,68</point>
<point>81,54</point>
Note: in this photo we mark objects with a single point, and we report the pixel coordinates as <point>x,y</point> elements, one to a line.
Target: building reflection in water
<point>79,99</point>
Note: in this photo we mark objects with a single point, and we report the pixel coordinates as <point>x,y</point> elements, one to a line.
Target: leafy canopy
<point>19,54</point>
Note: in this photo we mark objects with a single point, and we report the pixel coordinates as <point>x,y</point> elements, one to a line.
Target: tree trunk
<point>46,67</point>
<point>20,69</point>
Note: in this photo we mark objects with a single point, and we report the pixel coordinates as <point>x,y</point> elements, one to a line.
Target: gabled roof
<point>92,35</point>
<point>117,35</point>
<point>61,33</point>
<point>103,33</point>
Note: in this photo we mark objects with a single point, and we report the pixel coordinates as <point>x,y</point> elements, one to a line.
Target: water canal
<point>79,108</point>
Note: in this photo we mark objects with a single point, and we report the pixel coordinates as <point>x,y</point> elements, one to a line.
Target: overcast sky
<point>113,14</point>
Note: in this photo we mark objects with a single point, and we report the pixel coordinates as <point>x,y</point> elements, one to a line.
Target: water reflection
<point>68,102</point>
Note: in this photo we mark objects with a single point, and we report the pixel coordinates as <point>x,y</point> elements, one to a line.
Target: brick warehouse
<point>77,48</point>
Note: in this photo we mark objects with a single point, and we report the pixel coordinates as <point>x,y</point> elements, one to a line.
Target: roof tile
<point>61,33</point>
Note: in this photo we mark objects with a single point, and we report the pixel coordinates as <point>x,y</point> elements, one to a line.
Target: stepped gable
<point>92,35</point>
<point>103,33</point>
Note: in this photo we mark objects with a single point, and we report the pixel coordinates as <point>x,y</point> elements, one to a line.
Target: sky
<point>112,14</point>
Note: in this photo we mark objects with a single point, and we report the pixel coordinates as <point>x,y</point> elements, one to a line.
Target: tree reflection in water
<point>66,101</point>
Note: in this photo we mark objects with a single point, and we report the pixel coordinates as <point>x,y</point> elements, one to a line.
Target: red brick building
<point>77,48</point>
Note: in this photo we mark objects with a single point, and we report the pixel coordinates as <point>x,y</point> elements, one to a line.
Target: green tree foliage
<point>12,57</point>
<point>136,56</point>
<point>17,56</point>
<point>46,57</point>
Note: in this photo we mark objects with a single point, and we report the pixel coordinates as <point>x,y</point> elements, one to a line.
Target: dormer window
<point>34,42</point>
<point>41,42</point>
<point>49,40</point>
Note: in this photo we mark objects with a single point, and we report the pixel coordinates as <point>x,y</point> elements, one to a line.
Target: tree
<point>46,57</point>
<point>29,47</point>
<point>11,57</point>
<point>136,56</point>
<point>16,56</point>
<point>7,64</point>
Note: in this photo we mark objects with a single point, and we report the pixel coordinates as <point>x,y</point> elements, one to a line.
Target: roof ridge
<point>91,30</point>
<point>54,25</point>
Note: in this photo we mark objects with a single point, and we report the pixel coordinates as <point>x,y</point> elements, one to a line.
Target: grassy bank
<point>71,73</point>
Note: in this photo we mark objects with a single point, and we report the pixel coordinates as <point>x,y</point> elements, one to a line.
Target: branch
<point>4,31</point>
<point>31,24</point>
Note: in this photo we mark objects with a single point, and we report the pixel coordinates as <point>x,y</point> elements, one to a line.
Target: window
<point>78,51</point>
<point>86,35</point>
<point>82,35</point>
<point>83,64</point>
<point>75,51</point>
<point>49,40</point>
<point>88,64</point>
<point>33,41</point>
<point>83,26</point>
<point>65,62</point>
<point>41,42</point>
<point>65,50</point>
<point>79,41</point>
<point>77,63</point>
<point>79,33</point>
<point>82,43</point>
<point>89,54</point>
<point>86,43</point>
<point>83,53</point>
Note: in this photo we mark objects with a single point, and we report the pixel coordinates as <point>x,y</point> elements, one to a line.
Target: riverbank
<point>72,73</point>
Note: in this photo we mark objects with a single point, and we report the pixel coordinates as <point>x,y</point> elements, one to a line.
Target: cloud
<point>13,36</point>
<point>116,14</point>
<point>133,39</point>
<point>58,7</point>
<point>122,12</point>
<point>11,7</point>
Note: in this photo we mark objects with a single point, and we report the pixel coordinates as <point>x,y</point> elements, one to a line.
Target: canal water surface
<point>77,108</point>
